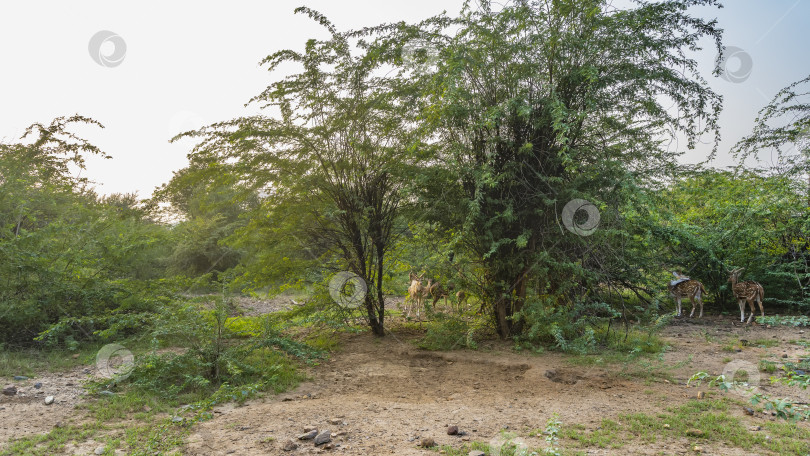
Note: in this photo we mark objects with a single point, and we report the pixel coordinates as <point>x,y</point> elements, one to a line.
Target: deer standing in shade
<point>461,299</point>
<point>747,291</point>
<point>416,295</point>
<point>684,287</point>
<point>437,291</point>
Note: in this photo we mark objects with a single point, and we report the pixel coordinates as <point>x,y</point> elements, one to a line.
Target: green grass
<point>765,343</point>
<point>138,421</point>
<point>28,362</point>
<point>767,366</point>
<point>712,417</point>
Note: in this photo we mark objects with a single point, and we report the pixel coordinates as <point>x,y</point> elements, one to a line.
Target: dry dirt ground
<point>381,396</point>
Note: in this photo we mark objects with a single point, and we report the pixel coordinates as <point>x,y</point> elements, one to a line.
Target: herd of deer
<point>748,291</point>
<point>418,291</point>
<point>682,287</point>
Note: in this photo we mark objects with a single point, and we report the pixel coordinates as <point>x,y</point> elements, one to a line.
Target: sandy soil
<point>382,396</point>
<point>26,413</point>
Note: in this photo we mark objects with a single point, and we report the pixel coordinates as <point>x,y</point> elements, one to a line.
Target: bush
<point>448,333</point>
<point>213,350</point>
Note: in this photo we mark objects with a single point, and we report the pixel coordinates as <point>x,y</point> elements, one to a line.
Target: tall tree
<point>544,102</point>
<point>331,159</point>
<point>783,125</point>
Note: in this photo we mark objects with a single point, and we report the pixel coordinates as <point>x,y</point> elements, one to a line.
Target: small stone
<point>755,428</point>
<point>476,453</point>
<point>666,425</point>
<point>738,350</point>
<point>49,400</point>
<point>784,355</point>
<point>323,437</point>
<point>701,395</point>
<point>176,419</point>
<point>427,443</point>
<point>697,449</point>
<point>20,378</point>
<point>76,356</point>
<point>37,385</point>
<point>290,445</point>
<point>748,411</point>
<point>328,446</point>
<point>106,393</point>
<point>99,450</point>
<point>452,430</point>
<point>10,390</point>
<point>308,435</point>
<point>694,432</point>
<point>334,421</point>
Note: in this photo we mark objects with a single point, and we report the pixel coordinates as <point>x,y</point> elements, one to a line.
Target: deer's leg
<point>700,300</point>
<point>751,305</point>
<point>692,300</point>
<point>741,303</point>
<point>678,306</point>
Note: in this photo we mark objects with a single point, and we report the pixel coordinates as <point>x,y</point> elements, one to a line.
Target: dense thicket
<point>451,147</point>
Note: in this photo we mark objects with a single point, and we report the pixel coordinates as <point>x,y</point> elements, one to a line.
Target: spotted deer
<point>461,300</point>
<point>437,291</point>
<point>416,296</point>
<point>684,287</point>
<point>747,291</point>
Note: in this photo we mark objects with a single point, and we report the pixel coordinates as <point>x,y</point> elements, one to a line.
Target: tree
<point>545,102</point>
<point>783,126</point>
<point>331,162</point>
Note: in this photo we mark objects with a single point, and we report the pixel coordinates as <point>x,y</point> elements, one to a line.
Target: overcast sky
<point>188,63</point>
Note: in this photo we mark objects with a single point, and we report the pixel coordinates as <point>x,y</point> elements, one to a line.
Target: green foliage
<point>786,320</point>
<point>552,430</point>
<point>569,328</point>
<point>215,350</point>
<point>72,261</point>
<point>446,332</point>
<point>522,102</point>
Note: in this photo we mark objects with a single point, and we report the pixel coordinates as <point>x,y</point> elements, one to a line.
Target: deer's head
<point>734,274</point>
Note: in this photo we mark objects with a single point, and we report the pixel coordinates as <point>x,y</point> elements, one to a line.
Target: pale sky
<point>188,63</point>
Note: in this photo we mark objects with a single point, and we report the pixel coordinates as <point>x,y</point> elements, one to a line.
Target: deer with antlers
<point>684,287</point>
<point>416,295</point>
<point>748,291</point>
